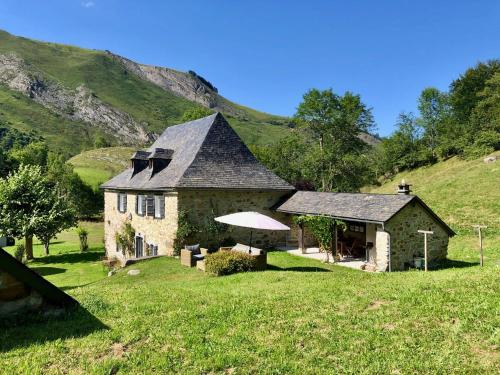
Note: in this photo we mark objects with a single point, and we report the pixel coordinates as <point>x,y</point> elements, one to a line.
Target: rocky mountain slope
<point>98,92</point>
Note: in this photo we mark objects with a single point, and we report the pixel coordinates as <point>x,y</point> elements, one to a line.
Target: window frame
<point>122,201</point>
<point>140,206</point>
<point>159,213</point>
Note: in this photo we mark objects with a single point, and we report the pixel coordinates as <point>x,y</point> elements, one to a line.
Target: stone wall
<point>16,297</point>
<point>202,204</point>
<point>159,232</point>
<point>406,242</point>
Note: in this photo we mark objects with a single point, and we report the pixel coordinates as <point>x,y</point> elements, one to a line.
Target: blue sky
<point>266,54</point>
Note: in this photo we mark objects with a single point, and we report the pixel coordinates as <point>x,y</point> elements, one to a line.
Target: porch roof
<point>374,208</point>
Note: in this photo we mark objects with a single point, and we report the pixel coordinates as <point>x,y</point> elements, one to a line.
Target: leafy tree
<point>85,201</point>
<point>55,216</point>
<point>195,113</point>
<point>29,205</point>
<point>321,228</point>
<point>33,154</point>
<point>464,91</point>
<point>435,113</point>
<point>286,158</point>
<point>101,142</point>
<point>336,121</point>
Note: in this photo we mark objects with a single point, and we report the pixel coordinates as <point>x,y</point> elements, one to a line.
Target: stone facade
<point>405,241</point>
<point>159,232</point>
<point>203,204</point>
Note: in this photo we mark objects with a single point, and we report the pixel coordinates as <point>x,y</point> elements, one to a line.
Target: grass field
<point>300,316</point>
<point>99,165</point>
<point>462,192</point>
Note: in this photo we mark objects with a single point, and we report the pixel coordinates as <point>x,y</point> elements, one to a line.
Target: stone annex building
<point>202,168</point>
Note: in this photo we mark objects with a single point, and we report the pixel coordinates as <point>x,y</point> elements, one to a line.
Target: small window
<point>122,202</point>
<point>141,205</point>
<point>159,209</point>
<point>356,228</point>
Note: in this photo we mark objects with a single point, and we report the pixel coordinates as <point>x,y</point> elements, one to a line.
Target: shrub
<point>83,236</point>
<point>185,229</point>
<point>19,253</point>
<point>125,238</point>
<point>229,262</point>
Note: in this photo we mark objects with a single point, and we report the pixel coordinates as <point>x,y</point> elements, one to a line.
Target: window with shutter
<point>140,205</point>
<point>122,202</point>
<point>150,205</point>
<point>159,206</point>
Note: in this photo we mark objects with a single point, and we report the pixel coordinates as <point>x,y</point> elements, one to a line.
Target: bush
<point>83,237</point>
<point>229,262</point>
<point>19,253</point>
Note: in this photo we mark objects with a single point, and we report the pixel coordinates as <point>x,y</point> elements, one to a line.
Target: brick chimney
<point>404,188</point>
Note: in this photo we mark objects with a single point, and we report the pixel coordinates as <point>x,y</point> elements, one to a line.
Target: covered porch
<point>359,239</point>
<point>353,246</point>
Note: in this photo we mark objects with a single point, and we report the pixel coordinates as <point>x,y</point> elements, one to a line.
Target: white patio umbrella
<point>253,220</point>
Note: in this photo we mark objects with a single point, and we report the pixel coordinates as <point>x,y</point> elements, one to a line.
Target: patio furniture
<point>192,254</point>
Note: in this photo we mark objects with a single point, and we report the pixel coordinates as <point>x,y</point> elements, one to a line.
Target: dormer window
<point>159,159</point>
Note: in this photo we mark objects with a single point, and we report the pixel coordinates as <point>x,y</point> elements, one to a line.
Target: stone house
<point>203,169</point>
<point>379,228</point>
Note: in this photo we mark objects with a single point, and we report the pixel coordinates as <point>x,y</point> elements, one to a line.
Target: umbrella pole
<point>250,249</point>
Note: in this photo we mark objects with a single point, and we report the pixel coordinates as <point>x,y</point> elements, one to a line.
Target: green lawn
<point>300,316</point>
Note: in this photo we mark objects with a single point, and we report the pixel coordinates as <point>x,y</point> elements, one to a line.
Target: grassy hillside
<point>98,166</point>
<point>462,192</point>
<point>150,105</point>
<point>300,316</point>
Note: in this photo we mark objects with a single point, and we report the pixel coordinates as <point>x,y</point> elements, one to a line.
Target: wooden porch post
<point>335,239</point>
<point>301,238</point>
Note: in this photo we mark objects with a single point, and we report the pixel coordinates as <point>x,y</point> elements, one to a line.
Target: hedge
<point>229,262</point>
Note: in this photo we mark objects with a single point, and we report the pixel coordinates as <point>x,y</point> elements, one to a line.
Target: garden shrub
<point>19,253</point>
<point>229,262</point>
<point>83,237</point>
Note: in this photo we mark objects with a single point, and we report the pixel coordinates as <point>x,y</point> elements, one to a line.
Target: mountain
<point>462,192</point>
<point>70,96</point>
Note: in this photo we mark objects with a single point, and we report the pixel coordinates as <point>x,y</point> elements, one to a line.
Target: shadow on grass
<point>271,267</point>
<point>449,263</point>
<point>38,328</point>
<point>74,257</point>
<point>45,271</point>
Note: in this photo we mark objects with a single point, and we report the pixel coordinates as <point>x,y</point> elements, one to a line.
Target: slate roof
<point>206,154</point>
<point>378,208</point>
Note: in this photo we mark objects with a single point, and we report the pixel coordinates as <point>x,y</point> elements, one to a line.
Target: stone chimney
<point>404,188</point>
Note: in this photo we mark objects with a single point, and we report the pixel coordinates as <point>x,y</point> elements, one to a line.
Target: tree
<point>55,216</point>
<point>286,158</point>
<point>35,153</point>
<point>195,113</point>
<point>85,201</point>
<point>336,121</point>
<point>27,202</point>
<point>100,141</point>
<point>464,90</point>
<point>435,113</point>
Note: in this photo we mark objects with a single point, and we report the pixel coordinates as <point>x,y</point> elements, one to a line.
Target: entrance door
<point>139,247</point>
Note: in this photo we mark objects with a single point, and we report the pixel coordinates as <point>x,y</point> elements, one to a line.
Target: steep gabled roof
<point>207,153</point>
<point>30,278</point>
<point>377,208</point>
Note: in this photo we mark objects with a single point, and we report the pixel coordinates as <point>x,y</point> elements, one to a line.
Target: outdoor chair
<point>191,254</point>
